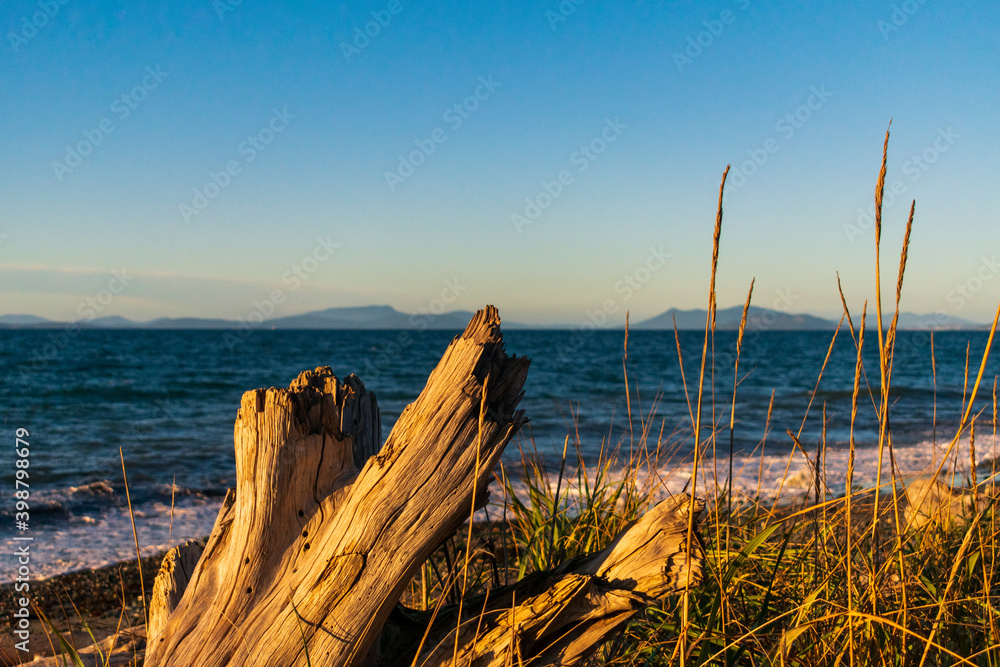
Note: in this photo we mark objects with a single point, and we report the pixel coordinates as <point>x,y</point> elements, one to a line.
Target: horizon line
<point>931,320</point>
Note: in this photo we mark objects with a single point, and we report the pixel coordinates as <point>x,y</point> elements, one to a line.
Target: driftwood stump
<point>931,501</point>
<point>310,555</point>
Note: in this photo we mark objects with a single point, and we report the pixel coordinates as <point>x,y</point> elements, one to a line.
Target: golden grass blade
<point>958,562</point>
<point>173,492</point>
<point>879,191</point>
<point>904,254</point>
<point>628,392</point>
<point>686,597</point>
<point>994,406</point>
<point>680,361</point>
<point>847,311</point>
<point>135,537</point>
<point>848,491</point>
<point>883,361</point>
<point>763,442</point>
<point>732,413</point>
<point>934,417</point>
<point>826,360</point>
<point>472,511</point>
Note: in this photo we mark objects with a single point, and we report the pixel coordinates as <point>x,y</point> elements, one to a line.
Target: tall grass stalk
<point>732,412</point>
<point>934,413</point>
<point>686,597</point>
<point>849,485</point>
<point>135,537</point>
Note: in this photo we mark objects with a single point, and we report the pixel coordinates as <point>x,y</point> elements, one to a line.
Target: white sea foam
<point>793,476</point>
<point>789,476</point>
<point>103,536</point>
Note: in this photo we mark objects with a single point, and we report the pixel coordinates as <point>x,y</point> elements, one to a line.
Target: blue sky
<point>550,159</point>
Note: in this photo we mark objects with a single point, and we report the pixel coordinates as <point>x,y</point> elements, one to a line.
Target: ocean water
<point>168,399</point>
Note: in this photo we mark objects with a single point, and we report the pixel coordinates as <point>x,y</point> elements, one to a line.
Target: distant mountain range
<point>387,317</point>
<point>765,319</point>
<point>364,317</point>
<point>728,319</point>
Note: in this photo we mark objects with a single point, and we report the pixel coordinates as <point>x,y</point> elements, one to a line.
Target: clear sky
<point>547,158</point>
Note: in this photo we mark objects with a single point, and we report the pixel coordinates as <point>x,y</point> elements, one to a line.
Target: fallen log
<point>123,649</point>
<point>561,617</point>
<point>310,555</point>
<point>932,502</point>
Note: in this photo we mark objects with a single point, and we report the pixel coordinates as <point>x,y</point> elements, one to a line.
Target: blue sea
<point>168,399</point>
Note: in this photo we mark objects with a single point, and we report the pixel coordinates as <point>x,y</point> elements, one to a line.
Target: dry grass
<point>835,580</point>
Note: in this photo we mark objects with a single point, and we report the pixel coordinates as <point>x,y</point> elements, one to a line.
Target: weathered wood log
<point>562,617</point>
<point>175,573</point>
<point>311,554</point>
<point>931,501</point>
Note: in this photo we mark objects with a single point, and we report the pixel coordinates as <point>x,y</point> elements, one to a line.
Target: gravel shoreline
<point>95,592</point>
<point>79,604</point>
